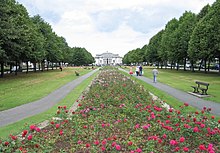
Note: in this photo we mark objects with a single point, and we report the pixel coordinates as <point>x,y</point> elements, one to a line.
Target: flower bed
<point>118,115</point>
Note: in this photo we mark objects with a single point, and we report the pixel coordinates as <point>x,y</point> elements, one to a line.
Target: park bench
<point>201,86</point>
<point>77,73</point>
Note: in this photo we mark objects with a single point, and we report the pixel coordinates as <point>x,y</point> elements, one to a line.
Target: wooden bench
<point>77,73</point>
<point>201,86</point>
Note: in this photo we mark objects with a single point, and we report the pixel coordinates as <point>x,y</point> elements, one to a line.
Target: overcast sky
<point>116,26</point>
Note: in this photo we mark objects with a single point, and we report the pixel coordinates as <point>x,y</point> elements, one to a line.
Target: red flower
<point>173,142</point>
<point>202,147</point>
<point>186,104</point>
<point>185,149</point>
<point>130,143</point>
<point>104,142</point>
<point>213,117</point>
<point>57,126</point>
<point>103,148</point>
<point>182,139</point>
<point>61,132</point>
<point>96,142</point>
<point>6,143</point>
<point>13,137</point>
<point>32,127</point>
<point>87,145</point>
<point>24,133</point>
<point>52,122</point>
<point>29,137</point>
<point>195,129</point>
<point>177,149</point>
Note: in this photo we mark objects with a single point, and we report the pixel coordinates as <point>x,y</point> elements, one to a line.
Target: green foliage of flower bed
<point>118,115</point>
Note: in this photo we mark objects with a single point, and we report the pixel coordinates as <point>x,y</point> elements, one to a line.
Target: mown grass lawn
<point>25,88</point>
<point>183,80</point>
<point>68,101</point>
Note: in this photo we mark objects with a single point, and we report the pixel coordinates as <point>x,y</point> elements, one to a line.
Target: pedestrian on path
<point>140,70</point>
<point>155,73</point>
<point>131,71</point>
<point>137,71</point>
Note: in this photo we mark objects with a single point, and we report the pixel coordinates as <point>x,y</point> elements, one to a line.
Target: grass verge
<point>25,88</point>
<point>67,101</point>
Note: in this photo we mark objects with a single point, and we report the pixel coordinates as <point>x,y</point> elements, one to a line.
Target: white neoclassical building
<point>108,59</point>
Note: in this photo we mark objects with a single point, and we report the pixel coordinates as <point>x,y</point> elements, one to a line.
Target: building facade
<point>108,59</point>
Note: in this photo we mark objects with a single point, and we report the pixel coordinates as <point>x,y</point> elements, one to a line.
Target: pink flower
<point>37,129</point>
<point>130,143</point>
<point>117,147</point>
<point>196,129</point>
<point>113,144</point>
<point>182,139</point>
<point>104,142</point>
<point>103,125</point>
<point>164,136</point>
<point>32,127</point>
<point>79,142</point>
<point>137,126</point>
<point>96,142</point>
<point>57,126</point>
<point>138,150</point>
<point>145,127</point>
<point>103,148</point>
<point>61,132</point>
<point>173,142</point>
<point>202,125</point>
<point>29,137</point>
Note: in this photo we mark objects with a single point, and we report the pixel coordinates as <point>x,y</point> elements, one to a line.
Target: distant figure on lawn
<point>137,70</point>
<point>131,71</point>
<point>140,70</point>
<point>61,69</point>
<point>155,73</point>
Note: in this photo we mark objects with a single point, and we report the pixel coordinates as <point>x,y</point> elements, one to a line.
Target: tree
<point>154,47</point>
<point>187,23</point>
<point>169,42</point>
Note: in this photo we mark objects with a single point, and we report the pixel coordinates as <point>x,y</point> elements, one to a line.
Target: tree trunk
<point>209,64</point>
<point>184,64</point>
<point>2,70</point>
<point>27,67</point>
<point>16,69</point>
<point>39,66</point>
<point>42,66</point>
<point>48,65</point>
<point>205,65</point>
<point>52,65</point>
<point>35,66</point>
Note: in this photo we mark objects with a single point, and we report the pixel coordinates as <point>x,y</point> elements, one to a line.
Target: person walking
<point>137,70</point>
<point>140,70</point>
<point>131,71</point>
<point>155,73</point>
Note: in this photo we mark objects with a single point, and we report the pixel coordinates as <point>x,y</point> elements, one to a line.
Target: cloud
<point>110,25</point>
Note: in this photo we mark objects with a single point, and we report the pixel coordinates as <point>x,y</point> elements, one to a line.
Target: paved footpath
<point>18,113</point>
<point>183,96</point>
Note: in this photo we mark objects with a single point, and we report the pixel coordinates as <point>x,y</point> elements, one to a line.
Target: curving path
<point>183,96</point>
<point>18,113</point>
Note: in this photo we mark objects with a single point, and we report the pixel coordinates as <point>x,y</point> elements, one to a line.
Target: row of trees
<point>24,38</point>
<point>193,37</point>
